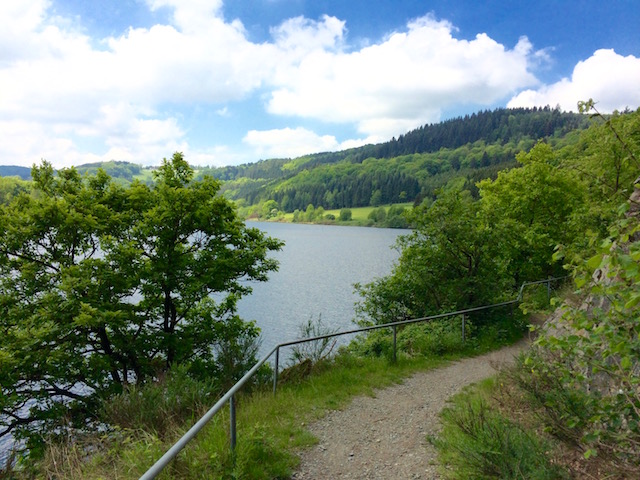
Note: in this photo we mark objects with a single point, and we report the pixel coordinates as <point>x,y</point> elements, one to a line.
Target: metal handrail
<point>228,397</point>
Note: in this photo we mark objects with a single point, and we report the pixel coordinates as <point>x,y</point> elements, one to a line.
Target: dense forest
<point>409,168</point>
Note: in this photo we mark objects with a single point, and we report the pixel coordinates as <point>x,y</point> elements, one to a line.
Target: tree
<point>103,286</point>
<point>536,207</point>
<point>448,262</point>
<point>345,214</point>
<point>376,198</point>
<point>269,209</point>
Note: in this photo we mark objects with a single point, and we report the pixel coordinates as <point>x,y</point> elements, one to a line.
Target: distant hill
<point>409,168</point>
<point>15,171</point>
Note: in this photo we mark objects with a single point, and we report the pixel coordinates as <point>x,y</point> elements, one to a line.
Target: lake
<point>318,266</point>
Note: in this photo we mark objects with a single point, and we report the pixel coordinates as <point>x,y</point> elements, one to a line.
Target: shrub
<point>160,406</point>
<point>478,442</point>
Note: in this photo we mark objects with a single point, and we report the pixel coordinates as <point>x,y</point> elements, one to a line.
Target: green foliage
<point>449,262</point>
<point>162,406</point>
<point>102,287</point>
<point>478,442</point>
<point>409,168</point>
<point>427,339</point>
<point>270,429</point>
<point>345,215</point>
<point>317,350</point>
<point>594,356</point>
<point>11,187</point>
<point>534,208</point>
<point>584,374</point>
<point>121,170</point>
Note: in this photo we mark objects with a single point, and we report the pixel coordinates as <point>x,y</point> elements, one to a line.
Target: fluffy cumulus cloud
<point>289,142</point>
<point>403,81</point>
<point>53,77</point>
<point>612,80</point>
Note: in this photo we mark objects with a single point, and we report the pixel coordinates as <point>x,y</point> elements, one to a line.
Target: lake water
<point>318,266</point>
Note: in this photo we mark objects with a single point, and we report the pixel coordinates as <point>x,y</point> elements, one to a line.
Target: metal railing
<point>228,397</point>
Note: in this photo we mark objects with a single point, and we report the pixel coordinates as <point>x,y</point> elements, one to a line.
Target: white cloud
<point>289,142</point>
<point>302,35</point>
<point>403,81</point>
<point>612,80</point>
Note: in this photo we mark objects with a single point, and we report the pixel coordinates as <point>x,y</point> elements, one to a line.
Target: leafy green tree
<point>376,198</point>
<point>378,215</point>
<point>345,214</point>
<point>534,209</point>
<point>102,286</point>
<point>448,262</point>
<point>310,213</point>
<point>396,217</point>
<point>11,187</point>
<point>269,209</point>
<point>606,163</point>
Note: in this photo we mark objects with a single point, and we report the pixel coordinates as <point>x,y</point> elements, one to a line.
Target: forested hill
<point>15,171</point>
<point>408,168</point>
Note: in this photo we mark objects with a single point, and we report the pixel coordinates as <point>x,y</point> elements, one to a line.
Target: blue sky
<point>230,82</point>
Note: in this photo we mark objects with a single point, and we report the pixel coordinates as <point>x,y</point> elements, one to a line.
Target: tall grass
<point>477,441</point>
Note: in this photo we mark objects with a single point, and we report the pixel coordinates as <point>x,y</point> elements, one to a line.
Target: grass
<point>270,428</point>
<point>359,215</point>
<point>480,439</point>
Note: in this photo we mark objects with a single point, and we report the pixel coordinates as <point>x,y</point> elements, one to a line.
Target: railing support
<point>275,370</point>
<point>232,423</point>
<point>395,331</point>
<point>463,327</point>
<point>549,290</point>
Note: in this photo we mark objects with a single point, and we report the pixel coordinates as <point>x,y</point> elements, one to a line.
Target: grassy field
<point>359,215</point>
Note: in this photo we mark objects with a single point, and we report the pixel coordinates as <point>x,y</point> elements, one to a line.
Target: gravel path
<point>384,437</point>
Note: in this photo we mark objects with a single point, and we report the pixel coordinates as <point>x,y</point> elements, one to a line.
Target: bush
<point>432,338</point>
<point>478,442</point>
<point>345,214</point>
<point>160,406</point>
<point>317,350</point>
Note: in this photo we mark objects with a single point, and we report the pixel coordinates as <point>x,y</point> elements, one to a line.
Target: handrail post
<point>395,356</point>
<point>549,289</point>
<point>275,370</point>
<point>232,423</point>
<point>463,322</point>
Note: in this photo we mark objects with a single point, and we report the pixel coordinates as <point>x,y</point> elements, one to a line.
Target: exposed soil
<point>385,436</point>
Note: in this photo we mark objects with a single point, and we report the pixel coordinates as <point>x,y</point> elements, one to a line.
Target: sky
<point>227,82</point>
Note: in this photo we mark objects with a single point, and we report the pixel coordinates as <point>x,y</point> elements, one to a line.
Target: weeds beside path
<point>385,436</point>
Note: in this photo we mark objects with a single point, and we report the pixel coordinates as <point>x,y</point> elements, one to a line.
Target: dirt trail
<point>384,437</point>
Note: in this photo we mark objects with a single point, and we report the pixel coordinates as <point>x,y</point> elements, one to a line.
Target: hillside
<point>408,168</point>
<point>14,171</point>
